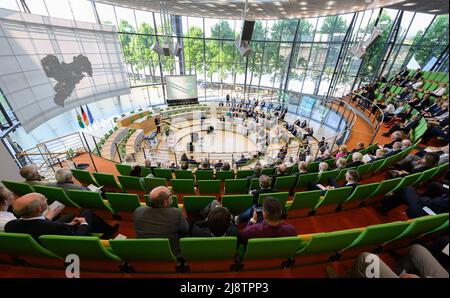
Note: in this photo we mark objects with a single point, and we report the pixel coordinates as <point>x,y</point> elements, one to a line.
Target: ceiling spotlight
<point>328,7</point>
<point>409,4</point>
<point>304,3</point>
<point>435,10</point>
<point>329,3</point>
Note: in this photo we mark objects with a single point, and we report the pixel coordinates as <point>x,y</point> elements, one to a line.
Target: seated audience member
<point>341,163</point>
<point>395,137</point>
<point>129,160</point>
<point>217,224</point>
<point>184,157</point>
<point>357,160</point>
<point>342,152</point>
<point>241,161</point>
<point>416,85</point>
<point>323,167</point>
<point>406,143</point>
<point>271,226</point>
<point>205,165</point>
<point>6,200</point>
<point>184,165</point>
<point>280,172</point>
<point>396,148</point>
<point>226,166</point>
<point>304,123</point>
<point>136,171</point>
<point>379,154</point>
<point>351,179</point>
<point>191,160</point>
<point>439,92</point>
<point>219,164</point>
<point>359,147</point>
<point>443,153</point>
<point>160,220</point>
<point>435,130</point>
<point>257,173</point>
<point>405,127</point>
<point>414,164</point>
<point>391,112</point>
<point>64,179</point>
<point>31,175</point>
<point>36,219</point>
<point>418,263</point>
<point>265,186</point>
<point>323,156</point>
<point>302,168</point>
<point>435,198</point>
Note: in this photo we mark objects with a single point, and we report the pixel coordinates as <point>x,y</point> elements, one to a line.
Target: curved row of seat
<point>207,254</point>
<point>303,202</point>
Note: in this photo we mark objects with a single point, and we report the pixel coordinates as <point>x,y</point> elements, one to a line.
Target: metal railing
<point>376,119</point>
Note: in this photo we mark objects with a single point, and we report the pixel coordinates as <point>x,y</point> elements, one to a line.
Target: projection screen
<point>181,89</point>
<point>51,65</point>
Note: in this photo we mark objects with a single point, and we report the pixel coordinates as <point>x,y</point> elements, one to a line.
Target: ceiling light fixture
<point>409,4</point>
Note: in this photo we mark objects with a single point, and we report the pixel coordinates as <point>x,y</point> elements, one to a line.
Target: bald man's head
<point>30,205</point>
<point>161,197</point>
<point>281,169</point>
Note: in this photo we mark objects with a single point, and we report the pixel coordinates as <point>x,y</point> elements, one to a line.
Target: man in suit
<point>379,154</point>
<point>161,220</point>
<point>405,127</point>
<point>435,198</point>
<point>396,148</point>
<point>351,177</point>
<point>257,173</point>
<point>356,160</point>
<point>36,219</point>
<point>64,179</point>
<point>281,172</point>
<point>395,137</point>
<point>265,186</point>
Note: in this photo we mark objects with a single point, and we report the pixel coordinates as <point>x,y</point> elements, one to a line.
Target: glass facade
<point>298,56</point>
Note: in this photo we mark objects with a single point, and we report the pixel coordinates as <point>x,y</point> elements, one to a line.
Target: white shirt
<point>440,91</point>
<point>5,217</point>
<point>417,85</point>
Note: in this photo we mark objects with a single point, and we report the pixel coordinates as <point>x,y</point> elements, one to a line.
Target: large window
<point>298,55</point>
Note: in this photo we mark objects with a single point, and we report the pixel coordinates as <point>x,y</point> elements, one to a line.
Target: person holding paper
<point>351,177</point>
<point>36,219</point>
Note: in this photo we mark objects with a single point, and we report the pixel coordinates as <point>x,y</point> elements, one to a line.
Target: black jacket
<point>38,227</point>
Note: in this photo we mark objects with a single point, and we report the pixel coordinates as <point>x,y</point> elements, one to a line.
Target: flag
<point>80,122</point>
<point>85,119</point>
<point>91,119</point>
